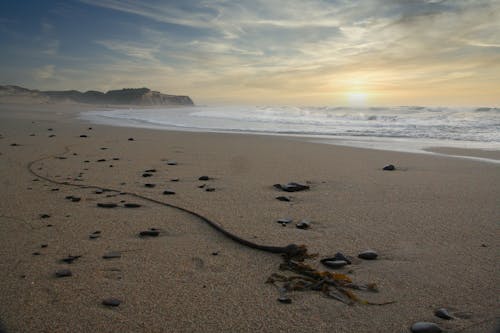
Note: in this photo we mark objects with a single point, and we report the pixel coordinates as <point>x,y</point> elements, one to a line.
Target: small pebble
<point>63,273</point>
<point>389,167</point>
<point>83,136</point>
<point>172,163</point>
<point>101,160</point>
<point>44,246</point>
<point>52,135</point>
<point>146,175</point>
<point>149,233</point>
<point>368,255</point>
<point>215,253</point>
<point>36,253</point>
<point>44,216</point>
<point>334,263</point>
<point>283,198</point>
<point>94,236</point>
<point>283,297</point>
<point>284,222</point>
<point>150,170</point>
<point>106,205</point>
<point>150,185</point>
<point>303,224</point>
<point>69,259</point>
<point>98,191</point>
<point>174,179</point>
<point>443,314</point>
<point>210,189</point>
<point>204,178</point>
<point>131,205</point>
<point>130,139</point>
<point>115,159</point>
<point>111,302</point>
<point>168,192</point>
<point>425,327</point>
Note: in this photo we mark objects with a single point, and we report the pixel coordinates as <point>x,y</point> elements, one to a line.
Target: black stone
<point>284,222</point>
<point>389,167</point>
<point>174,179</point>
<point>131,205</point>
<point>14,144</point>
<point>425,327</point>
<point>150,185</point>
<point>52,135</point>
<point>94,236</point>
<point>146,175</point>
<point>149,233</point>
<point>54,189</point>
<point>36,253</point>
<point>303,225</point>
<point>70,259</point>
<point>131,139</point>
<point>172,163</point>
<point>283,198</point>
<point>83,136</point>
<point>333,263</point>
<point>98,191</point>
<point>443,314</point>
<point>150,170</point>
<point>210,189</point>
<point>111,302</point>
<point>291,187</point>
<point>44,246</point>
<point>103,148</point>
<point>101,160</point>
<point>44,216</point>
<point>106,205</point>
<point>202,186</point>
<point>368,255</point>
<point>115,158</point>
<point>168,192</point>
<point>63,273</point>
<point>204,178</point>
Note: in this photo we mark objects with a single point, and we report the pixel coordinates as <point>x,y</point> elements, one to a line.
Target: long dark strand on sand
<point>291,250</point>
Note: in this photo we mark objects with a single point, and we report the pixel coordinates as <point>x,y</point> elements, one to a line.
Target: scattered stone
<point>63,273</point>
<point>50,129</point>
<point>283,297</point>
<point>44,216</point>
<point>115,158</point>
<point>98,191</point>
<point>69,259</point>
<point>333,263</point>
<point>86,161</point>
<point>202,186</point>
<point>49,225</point>
<point>425,327</point>
<point>111,302</point>
<point>149,233</point>
<point>44,246</point>
<point>284,222</point>
<point>304,224</point>
<point>103,148</point>
<point>54,189</point>
<point>174,179</point>
<point>101,160</point>
<point>15,144</point>
<point>210,189</point>
<point>146,175</point>
<point>73,198</point>
<point>90,128</point>
<point>36,253</point>
<point>150,185</point>
<point>111,166</point>
<point>341,256</point>
<point>61,158</point>
<point>484,245</point>
<point>32,134</point>
<point>172,163</point>
<point>291,187</point>
<point>52,135</point>
<point>94,236</point>
<point>368,255</point>
<point>389,167</point>
<point>131,139</point>
<point>150,170</point>
<point>112,255</point>
<point>204,178</point>
<point>443,314</point>
<point>131,205</point>
<point>283,198</point>
<point>168,192</point>
<point>106,205</point>
<point>83,136</point>
<point>216,253</point>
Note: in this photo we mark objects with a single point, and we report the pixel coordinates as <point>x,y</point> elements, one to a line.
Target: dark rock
<point>49,225</point>
<point>83,136</point>
<point>106,205</point>
<point>215,253</point>
<point>43,246</point>
<point>283,198</point>
<point>146,175</point>
<point>131,205</point>
<point>150,185</point>
<point>341,256</point>
<point>174,179</point>
<point>149,233</point>
<point>150,170</point>
<point>111,302</point>
<point>44,216</point>
<point>389,167</point>
<point>97,232</point>
<point>86,161</point>
<point>131,139</point>
<point>368,255</point>
<point>101,160</point>
<point>204,178</point>
<point>333,263</point>
<point>115,158</point>
<point>112,255</point>
<point>303,224</point>
<point>168,192</point>
<point>50,129</point>
<point>52,135</point>
<point>443,314</point>
<point>36,253</point>
<point>32,134</point>
<point>103,148</point>
<point>283,297</point>
<point>98,191</point>
<point>63,273</point>
<point>210,189</point>
<point>291,187</point>
<point>90,128</point>
<point>54,189</point>
<point>70,259</point>
<point>73,198</point>
<point>425,327</point>
<point>15,145</point>
<point>172,163</point>
<point>202,186</point>
<point>94,236</point>
<point>284,222</point>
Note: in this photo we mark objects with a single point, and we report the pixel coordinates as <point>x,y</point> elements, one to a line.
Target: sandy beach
<point>433,222</point>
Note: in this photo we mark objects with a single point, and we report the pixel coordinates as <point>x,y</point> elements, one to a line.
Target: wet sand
<point>433,222</point>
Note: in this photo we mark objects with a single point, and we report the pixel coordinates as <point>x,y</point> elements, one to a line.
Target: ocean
<point>402,128</point>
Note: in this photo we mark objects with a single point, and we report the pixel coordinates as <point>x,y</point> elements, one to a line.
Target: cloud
<point>45,72</point>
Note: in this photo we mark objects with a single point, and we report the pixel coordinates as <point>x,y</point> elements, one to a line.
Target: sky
<point>260,52</point>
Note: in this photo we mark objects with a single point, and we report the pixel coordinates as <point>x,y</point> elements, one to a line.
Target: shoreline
<point>433,222</point>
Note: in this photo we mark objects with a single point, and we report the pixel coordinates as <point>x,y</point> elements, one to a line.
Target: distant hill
<point>127,96</point>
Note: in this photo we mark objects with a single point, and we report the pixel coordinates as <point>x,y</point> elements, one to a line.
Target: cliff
<point>127,96</point>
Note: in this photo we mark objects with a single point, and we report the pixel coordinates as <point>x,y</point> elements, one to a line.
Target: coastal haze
<point>157,158</point>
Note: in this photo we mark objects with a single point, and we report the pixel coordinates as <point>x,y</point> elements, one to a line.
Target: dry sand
<point>434,223</point>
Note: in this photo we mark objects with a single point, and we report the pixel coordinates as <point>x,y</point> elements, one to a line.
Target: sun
<point>356,98</point>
